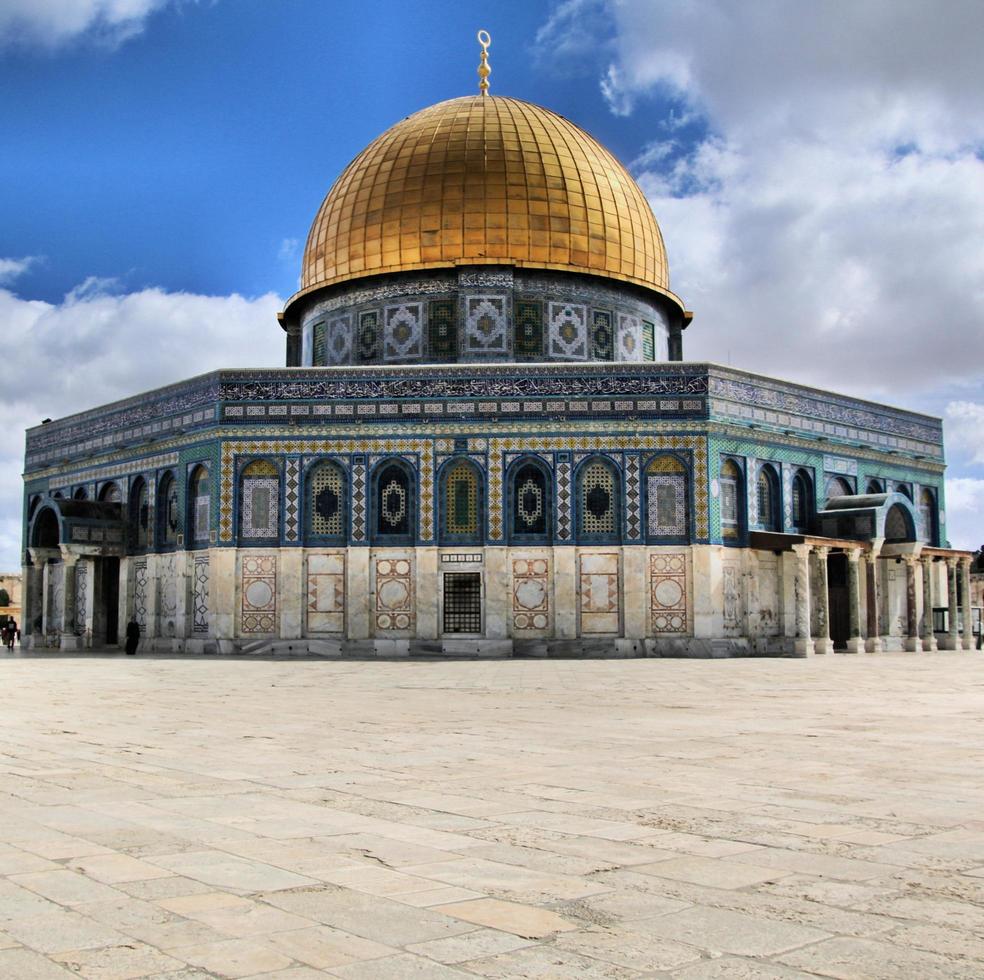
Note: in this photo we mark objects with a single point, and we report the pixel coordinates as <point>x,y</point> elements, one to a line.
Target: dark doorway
<point>840,614</point>
<point>108,600</point>
<point>462,602</point>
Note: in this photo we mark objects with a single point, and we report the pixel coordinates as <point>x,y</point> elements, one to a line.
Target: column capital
<point>802,550</point>
<point>952,562</point>
<point>910,560</point>
<point>821,551</point>
<point>853,555</point>
<point>68,556</point>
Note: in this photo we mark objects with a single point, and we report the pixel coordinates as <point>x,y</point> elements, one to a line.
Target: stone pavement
<point>180,817</point>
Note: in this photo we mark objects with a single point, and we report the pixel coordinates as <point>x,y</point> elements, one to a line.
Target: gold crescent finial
<point>485,40</point>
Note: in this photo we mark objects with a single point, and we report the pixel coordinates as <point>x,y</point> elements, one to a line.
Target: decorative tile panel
<point>259,593</point>
<point>81,595</point>
<point>394,590</point>
<point>528,331</point>
<point>602,339</point>
<point>568,331</point>
<point>339,342</point>
<point>260,506</point>
<point>442,330</point>
<point>598,578</point>
<point>565,501</point>
<point>485,324</point>
<point>199,596</point>
<point>368,341</point>
<point>667,496</point>
<point>292,498</point>
<point>326,592</point>
<point>629,346</point>
<point>633,501</point>
<point>531,595</point>
<point>668,593</point>
<point>358,502</point>
<point>402,332</point>
<point>320,350</point>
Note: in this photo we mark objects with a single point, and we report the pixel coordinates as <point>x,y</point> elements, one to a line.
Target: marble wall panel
<point>530,595</point>
<point>668,598</point>
<point>598,587</point>
<point>167,594</point>
<point>259,593</point>
<point>395,608</point>
<point>326,592</point>
<point>733,609</point>
<point>200,594</point>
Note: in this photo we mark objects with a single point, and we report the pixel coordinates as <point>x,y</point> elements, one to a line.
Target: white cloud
<point>965,512</point>
<point>288,250</point>
<point>828,225</point>
<point>964,429</point>
<point>52,23</point>
<point>11,269</point>
<point>95,347</point>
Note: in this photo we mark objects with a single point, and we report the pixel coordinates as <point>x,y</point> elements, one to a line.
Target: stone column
<point>968,615</point>
<point>821,604</point>
<point>875,644</point>
<point>30,601</point>
<point>855,642</point>
<point>292,589</point>
<point>928,636</point>
<point>69,641</point>
<point>565,593</point>
<point>802,641</point>
<point>497,593</point>
<point>952,640</point>
<point>912,643</point>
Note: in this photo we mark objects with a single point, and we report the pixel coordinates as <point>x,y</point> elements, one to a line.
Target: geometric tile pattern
<point>598,578</point>
<point>441,330</point>
<point>564,501</point>
<point>597,496</point>
<point>629,345</point>
<point>326,492</point>
<point>339,343</point>
<point>394,591</point>
<point>648,341</point>
<point>531,595</point>
<point>260,505</point>
<point>528,331</point>
<point>292,472</point>
<point>601,335</point>
<point>485,324</point>
<point>259,591</point>
<point>568,331</point>
<point>319,355</point>
<point>667,496</point>
<point>633,518</point>
<point>167,595</point>
<point>402,332</point>
<point>326,592</point>
<point>368,337</point>
<point>358,502</point>
<point>668,592</point>
<point>461,495</point>
<point>199,593</point>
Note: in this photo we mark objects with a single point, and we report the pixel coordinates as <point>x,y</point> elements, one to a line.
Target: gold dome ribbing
<point>485,180</point>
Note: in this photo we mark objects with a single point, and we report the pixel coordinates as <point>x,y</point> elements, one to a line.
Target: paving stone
<point>403,967</point>
<point>725,931</point>
<point>862,959</point>
<point>323,947</point>
<point>118,962</point>
<point>547,963</point>
<point>25,964</point>
<point>521,920</point>
<point>469,946</point>
<point>626,946</point>
<point>711,872</point>
<point>235,957</point>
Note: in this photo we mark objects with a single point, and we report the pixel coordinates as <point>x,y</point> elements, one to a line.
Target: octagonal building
<point>486,442</point>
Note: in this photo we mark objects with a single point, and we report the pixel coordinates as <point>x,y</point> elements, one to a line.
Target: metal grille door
<point>462,602</point>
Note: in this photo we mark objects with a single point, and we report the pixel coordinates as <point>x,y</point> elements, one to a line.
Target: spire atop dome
<point>485,40</point>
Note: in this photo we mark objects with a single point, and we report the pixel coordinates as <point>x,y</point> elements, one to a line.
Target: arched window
<point>80,494</point>
<point>461,499</point>
<point>927,515</point>
<point>325,502</point>
<point>875,486</point>
<point>46,533</point>
<point>199,507</point>
<point>666,498</point>
<point>259,502</point>
<point>898,525</point>
<point>802,502</point>
<point>140,525</point>
<point>33,506</point>
<point>732,501</point>
<point>110,493</point>
<point>168,522</point>
<point>530,504</point>
<point>598,496</point>
<point>905,489</point>
<point>837,486</point>
<point>767,486</point>
<point>395,506</point>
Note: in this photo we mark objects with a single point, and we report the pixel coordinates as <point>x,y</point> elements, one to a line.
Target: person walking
<point>11,633</point>
<point>132,637</point>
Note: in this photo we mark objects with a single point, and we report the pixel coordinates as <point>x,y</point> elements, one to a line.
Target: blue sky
<point>816,170</point>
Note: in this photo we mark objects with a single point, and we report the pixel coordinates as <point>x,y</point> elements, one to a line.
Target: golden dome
<point>485,180</point>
